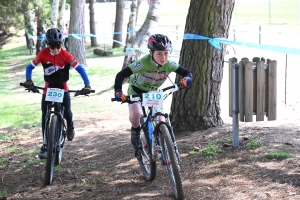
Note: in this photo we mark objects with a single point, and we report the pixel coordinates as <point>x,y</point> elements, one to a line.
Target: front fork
<point>173,140</point>
<point>62,126</point>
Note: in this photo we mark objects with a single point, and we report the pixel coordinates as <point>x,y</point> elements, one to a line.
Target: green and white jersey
<point>147,76</point>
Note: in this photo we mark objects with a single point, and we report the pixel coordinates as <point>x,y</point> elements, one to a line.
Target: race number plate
<point>153,99</point>
<point>55,94</point>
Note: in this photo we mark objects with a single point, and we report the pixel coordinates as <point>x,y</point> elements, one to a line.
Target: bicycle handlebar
<point>141,94</point>
<point>34,89</point>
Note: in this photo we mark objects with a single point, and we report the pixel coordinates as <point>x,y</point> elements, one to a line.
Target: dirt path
<point>99,162</point>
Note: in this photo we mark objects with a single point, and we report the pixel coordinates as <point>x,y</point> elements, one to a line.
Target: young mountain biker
<point>56,63</point>
<point>148,74</point>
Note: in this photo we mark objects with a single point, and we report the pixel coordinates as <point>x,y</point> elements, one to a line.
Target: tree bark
<point>26,17</point>
<point>40,28</point>
<point>199,107</point>
<point>138,39</point>
<point>119,24</point>
<point>61,24</point>
<point>76,46</point>
<point>92,23</point>
<point>54,16</point>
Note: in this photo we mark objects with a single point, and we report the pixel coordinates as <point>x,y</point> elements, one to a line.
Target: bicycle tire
<point>59,150</point>
<point>170,161</point>
<point>51,149</point>
<point>146,161</point>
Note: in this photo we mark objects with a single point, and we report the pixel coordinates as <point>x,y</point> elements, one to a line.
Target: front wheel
<point>145,157</point>
<point>51,149</point>
<point>31,46</point>
<point>60,146</point>
<point>170,161</point>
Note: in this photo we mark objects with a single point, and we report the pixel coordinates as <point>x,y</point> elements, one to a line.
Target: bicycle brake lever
<point>176,88</point>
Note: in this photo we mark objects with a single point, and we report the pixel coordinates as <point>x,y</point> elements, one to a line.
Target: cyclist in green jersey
<point>148,74</point>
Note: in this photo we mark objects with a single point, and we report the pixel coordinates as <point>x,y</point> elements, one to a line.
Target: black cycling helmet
<point>54,36</point>
<point>159,42</point>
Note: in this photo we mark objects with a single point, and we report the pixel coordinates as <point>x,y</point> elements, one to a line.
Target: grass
<point>277,155</point>
<point>253,144</point>
<point>24,110</point>
<point>99,179</point>
<point>2,164</point>
<point>265,12</point>
<point>3,192</point>
<point>212,149</point>
<point>14,149</point>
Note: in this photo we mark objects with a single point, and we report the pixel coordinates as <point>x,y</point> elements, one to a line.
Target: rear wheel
<point>31,46</point>
<point>146,162</point>
<point>170,160</point>
<point>51,149</point>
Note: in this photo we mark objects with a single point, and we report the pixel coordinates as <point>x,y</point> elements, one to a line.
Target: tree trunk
<point>119,24</point>
<point>92,23</point>
<point>61,24</point>
<point>54,13</point>
<point>76,46</point>
<point>40,28</point>
<point>199,107</point>
<point>138,40</point>
<point>26,17</point>
<point>128,25</point>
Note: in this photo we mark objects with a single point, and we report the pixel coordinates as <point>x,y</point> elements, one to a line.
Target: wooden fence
<point>257,88</point>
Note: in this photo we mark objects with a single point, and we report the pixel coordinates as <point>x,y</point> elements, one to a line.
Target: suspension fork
<point>47,119</point>
<point>170,129</point>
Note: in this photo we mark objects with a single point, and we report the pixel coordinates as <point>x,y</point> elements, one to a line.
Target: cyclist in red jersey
<point>56,63</point>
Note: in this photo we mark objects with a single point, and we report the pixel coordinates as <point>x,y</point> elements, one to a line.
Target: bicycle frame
<point>152,121</point>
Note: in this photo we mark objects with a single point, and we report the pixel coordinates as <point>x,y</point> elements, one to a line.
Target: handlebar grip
<point>113,99</point>
<point>92,91</point>
<point>22,84</point>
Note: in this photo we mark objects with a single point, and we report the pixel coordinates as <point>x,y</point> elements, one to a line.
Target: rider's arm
<point>126,72</point>
<point>184,72</point>
<point>29,69</point>
<point>83,74</point>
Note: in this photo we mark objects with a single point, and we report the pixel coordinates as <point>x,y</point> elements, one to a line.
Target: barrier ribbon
<point>215,42</point>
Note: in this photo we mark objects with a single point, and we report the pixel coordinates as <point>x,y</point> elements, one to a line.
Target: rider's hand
<point>120,96</point>
<point>87,89</point>
<point>28,83</point>
<point>186,82</point>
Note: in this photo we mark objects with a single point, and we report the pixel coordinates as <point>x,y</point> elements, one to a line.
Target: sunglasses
<point>55,46</point>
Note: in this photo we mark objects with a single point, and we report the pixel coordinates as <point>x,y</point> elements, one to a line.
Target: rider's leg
<point>68,115</point>
<point>44,110</point>
<point>135,112</point>
<point>43,152</point>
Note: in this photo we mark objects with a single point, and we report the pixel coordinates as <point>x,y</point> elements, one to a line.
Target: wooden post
<point>254,60</point>
<point>260,98</point>
<point>248,92</point>
<point>242,88</point>
<point>272,104</point>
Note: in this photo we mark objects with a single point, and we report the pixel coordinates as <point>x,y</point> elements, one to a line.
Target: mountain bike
<point>42,41</point>
<point>30,44</point>
<point>55,127</point>
<point>158,141</point>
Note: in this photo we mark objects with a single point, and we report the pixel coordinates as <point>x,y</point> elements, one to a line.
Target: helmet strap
<point>153,60</point>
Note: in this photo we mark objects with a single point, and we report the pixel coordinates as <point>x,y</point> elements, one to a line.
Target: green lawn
<point>19,108</point>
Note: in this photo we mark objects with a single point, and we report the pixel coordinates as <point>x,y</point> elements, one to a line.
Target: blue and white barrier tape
<point>215,42</point>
